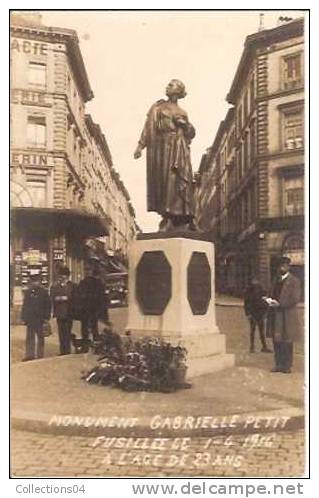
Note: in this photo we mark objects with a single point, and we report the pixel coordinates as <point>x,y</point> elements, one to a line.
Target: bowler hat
<point>284,259</point>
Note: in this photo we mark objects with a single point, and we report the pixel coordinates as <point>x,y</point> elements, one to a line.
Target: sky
<point>130,57</point>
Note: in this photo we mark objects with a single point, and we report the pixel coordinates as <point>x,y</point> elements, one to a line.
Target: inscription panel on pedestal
<point>153,282</point>
<point>199,283</point>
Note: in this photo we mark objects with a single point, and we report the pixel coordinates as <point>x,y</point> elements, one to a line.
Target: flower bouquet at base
<point>149,364</point>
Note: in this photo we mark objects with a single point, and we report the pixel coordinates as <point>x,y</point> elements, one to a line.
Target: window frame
<point>286,188</point>
<point>34,84</point>
<point>298,82</point>
<point>36,143</point>
<point>287,111</point>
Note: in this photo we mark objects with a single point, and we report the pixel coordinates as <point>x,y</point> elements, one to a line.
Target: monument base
<point>171,296</point>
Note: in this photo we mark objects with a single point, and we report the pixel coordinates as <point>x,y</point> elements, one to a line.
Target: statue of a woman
<point>167,135</point>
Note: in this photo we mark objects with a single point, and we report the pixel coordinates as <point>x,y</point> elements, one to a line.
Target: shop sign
<point>58,254</point>
<point>29,47</point>
<point>32,257</point>
<point>31,159</point>
<point>18,268</point>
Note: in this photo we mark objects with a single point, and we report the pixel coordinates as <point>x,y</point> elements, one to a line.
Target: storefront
<point>44,239</point>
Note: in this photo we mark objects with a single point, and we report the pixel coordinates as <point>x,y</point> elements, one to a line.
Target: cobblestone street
<point>62,456</point>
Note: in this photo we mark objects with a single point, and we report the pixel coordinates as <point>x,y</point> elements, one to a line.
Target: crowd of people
<point>66,302</point>
<point>275,315</point>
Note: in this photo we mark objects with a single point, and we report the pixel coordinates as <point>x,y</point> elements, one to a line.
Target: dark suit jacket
<point>91,298</point>
<point>253,302</point>
<point>36,307</point>
<point>62,300</point>
<point>284,321</point>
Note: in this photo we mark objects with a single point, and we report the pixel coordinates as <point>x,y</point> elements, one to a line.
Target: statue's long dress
<point>169,169</point>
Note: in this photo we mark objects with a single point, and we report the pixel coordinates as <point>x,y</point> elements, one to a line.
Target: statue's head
<point>176,87</point>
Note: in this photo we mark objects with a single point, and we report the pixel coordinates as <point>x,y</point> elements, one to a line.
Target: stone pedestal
<point>172,296</point>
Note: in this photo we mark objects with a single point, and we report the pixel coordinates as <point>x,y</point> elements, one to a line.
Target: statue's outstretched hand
<point>138,152</point>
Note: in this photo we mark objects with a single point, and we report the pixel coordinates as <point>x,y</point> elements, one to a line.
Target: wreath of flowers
<point>149,364</point>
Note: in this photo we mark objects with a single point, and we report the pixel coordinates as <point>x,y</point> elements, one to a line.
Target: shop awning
<point>55,222</point>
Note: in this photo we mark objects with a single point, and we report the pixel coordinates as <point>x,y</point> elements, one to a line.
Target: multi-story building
<point>253,202</point>
<point>64,189</point>
<point>106,194</point>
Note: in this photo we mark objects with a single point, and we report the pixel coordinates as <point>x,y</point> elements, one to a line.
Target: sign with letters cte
<point>29,47</point>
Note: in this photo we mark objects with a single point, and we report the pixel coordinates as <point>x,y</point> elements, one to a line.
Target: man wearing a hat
<point>283,322</point>
<point>62,293</point>
<point>36,311</point>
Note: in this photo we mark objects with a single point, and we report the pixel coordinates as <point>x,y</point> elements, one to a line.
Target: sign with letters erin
<point>31,159</point>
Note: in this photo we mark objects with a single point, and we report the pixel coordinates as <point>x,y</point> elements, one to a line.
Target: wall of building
<point>251,164</point>
<point>65,166</point>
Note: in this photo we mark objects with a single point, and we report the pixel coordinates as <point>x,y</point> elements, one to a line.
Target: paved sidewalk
<point>38,387</point>
<point>44,390</point>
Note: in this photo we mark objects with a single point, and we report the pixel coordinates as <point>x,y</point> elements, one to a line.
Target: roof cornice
<point>61,35</point>
<point>260,40</point>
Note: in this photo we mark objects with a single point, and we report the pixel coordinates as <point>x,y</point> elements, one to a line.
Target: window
<point>293,196</point>
<point>252,93</point>
<point>38,193</point>
<point>246,106</point>
<point>252,203</point>
<point>252,140</point>
<point>246,153</point>
<point>37,74</point>
<point>231,141</point>
<point>239,162</point>
<point>246,209</point>
<point>239,120</point>
<point>293,130</point>
<point>292,71</point>
<point>36,131</point>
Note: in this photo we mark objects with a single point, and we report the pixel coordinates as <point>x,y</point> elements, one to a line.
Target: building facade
<point>250,194</point>
<point>66,197</point>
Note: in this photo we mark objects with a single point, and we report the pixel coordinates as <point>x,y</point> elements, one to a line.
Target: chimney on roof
<point>261,22</point>
<point>26,18</point>
<point>283,19</point>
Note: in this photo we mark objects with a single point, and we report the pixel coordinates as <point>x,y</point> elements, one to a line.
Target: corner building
<point>250,194</point>
<point>59,201</point>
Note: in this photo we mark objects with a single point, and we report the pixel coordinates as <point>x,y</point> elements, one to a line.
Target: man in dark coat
<point>36,310</point>
<point>283,320</point>
<point>255,309</point>
<point>62,300</point>
<point>91,294</point>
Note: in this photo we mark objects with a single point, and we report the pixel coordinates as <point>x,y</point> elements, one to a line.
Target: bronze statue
<point>167,135</point>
